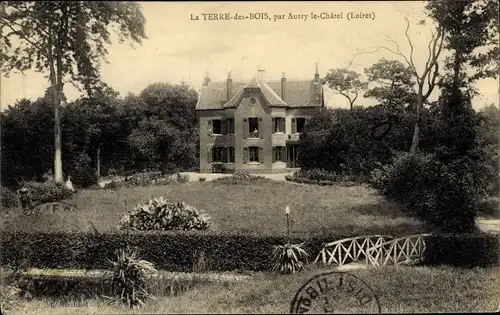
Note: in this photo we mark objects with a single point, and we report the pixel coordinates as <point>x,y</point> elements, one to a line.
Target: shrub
<point>161,214</point>
<point>239,178</point>
<point>182,178</point>
<point>462,250</point>
<point>289,258</point>
<point>168,250</point>
<point>179,251</point>
<point>351,142</point>
<point>320,177</point>
<point>9,198</point>
<point>49,191</point>
<point>202,179</point>
<point>129,277</point>
<point>81,171</point>
<point>439,193</point>
<point>146,179</point>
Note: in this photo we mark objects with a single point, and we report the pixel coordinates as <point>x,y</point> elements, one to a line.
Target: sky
<point>180,48</point>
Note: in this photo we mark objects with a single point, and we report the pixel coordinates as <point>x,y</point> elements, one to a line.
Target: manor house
<point>254,126</point>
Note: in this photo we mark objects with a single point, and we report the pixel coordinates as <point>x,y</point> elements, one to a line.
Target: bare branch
<point>431,82</point>
<point>430,48</point>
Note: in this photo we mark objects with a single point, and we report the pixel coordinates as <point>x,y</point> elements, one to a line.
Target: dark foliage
<point>156,129</point>
<point>180,251</point>
<point>173,251</point>
<point>9,198</point>
<point>462,250</point>
<point>49,191</point>
<point>320,177</point>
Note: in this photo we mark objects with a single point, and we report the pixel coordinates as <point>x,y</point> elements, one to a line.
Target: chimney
<point>229,86</point>
<point>283,86</point>
<point>316,74</point>
<point>206,80</point>
<point>261,75</point>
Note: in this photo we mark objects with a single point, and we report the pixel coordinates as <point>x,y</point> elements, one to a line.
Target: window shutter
<point>246,133</point>
<point>282,125</point>
<point>273,123</point>
<point>209,126</point>
<point>274,153</point>
<point>294,125</point>
<point>283,154</point>
<point>223,126</point>
<point>260,131</point>
<point>261,157</point>
<point>209,155</point>
<point>245,155</point>
<point>225,155</point>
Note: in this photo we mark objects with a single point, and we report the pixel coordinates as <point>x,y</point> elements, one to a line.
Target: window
<point>230,126</point>
<point>217,154</point>
<point>216,126</point>
<point>279,154</point>
<point>230,155</point>
<point>301,122</point>
<point>253,127</point>
<point>253,154</point>
<point>278,124</point>
<point>298,125</point>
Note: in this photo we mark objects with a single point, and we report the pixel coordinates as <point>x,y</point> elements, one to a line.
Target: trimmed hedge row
<point>463,250</point>
<point>180,251</point>
<point>172,251</point>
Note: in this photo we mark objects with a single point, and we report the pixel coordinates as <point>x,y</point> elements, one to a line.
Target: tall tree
<point>67,40</point>
<point>427,78</point>
<point>347,83</point>
<point>392,84</point>
<point>471,35</point>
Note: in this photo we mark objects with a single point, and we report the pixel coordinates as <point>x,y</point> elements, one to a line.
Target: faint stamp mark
<point>335,292</point>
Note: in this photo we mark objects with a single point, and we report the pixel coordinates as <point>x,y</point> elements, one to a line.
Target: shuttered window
<point>279,154</point>
<point>209,155</point>
<point>253,154</point>
<point>278,124</point>
<point>230,155</point>
<point>246,134</point>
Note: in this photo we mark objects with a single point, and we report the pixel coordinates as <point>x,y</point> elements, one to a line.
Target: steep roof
<point>299,93</point>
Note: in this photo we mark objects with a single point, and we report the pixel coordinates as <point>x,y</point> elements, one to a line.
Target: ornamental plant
<point>128,277</point>
<point>163,214</point>
<point>289,258</point>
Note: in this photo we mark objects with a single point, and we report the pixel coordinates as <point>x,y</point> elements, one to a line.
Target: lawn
<point>399,289</point>
<point>255,206</point>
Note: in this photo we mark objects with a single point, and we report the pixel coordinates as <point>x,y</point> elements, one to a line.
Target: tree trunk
<point>56,93</point>
<point>98,162</point>
<point>416,130</point>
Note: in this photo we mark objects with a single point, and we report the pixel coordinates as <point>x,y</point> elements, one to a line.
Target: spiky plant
<point>129,276</point>
<point>289,258</point>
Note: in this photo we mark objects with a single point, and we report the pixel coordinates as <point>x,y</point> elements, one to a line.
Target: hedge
<point>462,250</point>
<point>172,251</point>
<point>179,251</point>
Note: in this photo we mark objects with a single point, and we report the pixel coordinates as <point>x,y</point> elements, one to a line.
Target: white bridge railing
<point>376,250</point>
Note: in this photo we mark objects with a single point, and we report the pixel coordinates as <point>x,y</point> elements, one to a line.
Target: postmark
<point>335,292</point>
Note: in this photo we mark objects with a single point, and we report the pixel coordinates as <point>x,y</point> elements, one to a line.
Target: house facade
<point>254,126</point>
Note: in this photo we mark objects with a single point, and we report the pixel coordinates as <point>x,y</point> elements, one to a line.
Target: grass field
<point>256,207</point>
<point>400,290</point>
